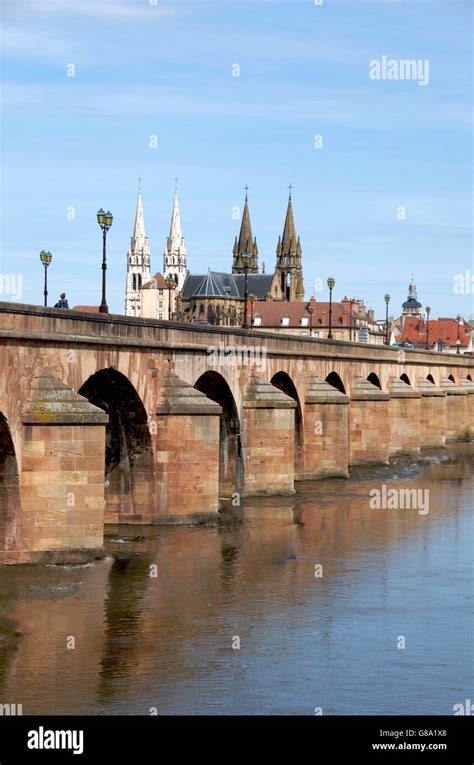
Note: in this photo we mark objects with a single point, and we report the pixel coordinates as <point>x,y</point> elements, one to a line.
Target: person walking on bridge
<point>62,302</point>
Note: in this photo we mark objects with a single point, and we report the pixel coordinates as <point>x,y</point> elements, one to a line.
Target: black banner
<point>138,739</point>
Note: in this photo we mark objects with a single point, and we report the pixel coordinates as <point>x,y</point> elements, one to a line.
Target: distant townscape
<point>248,296</point>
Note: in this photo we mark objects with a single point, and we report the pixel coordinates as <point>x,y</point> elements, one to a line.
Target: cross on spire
<point>139,184</point>
<point>246,191</point>
<point>289,187</point>
<point>176,184</point>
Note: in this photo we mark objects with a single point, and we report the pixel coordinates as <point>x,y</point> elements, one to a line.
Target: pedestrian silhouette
<point>62,302</point>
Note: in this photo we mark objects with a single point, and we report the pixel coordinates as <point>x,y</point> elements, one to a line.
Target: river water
<point>321,591</point>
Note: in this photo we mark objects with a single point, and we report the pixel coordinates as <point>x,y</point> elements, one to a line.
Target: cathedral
<point>216,297</point>
<point>219,298</point>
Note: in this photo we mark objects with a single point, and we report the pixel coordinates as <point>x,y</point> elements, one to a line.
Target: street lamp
<point>387,301</point>
<point>170,284</point>
<point>104,219</point>
<point>310,311</point>
<point>331,284</point>
<point>252,299</point>
<point>246,260</point>
<point>428,311</point>
<point>458,341</point>
<point>46,259</point>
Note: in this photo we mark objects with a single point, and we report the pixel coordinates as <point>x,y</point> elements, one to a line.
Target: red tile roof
<point>445,330</point>
<point>157,282</point>
<point>272,312</point>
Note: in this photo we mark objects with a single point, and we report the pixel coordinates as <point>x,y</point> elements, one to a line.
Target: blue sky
<point>142,69</point>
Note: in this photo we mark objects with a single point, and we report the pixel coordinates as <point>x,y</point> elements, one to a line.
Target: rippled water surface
<point>305,641</point>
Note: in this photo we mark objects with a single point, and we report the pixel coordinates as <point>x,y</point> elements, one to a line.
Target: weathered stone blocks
<point>405,413</point>
<point>268,443</point>
<point>456,410</point>
<point>186,454</point>
<point>432,415</point>
<point>55,518</point>
<point>369,424</point>
<point>326,432</point>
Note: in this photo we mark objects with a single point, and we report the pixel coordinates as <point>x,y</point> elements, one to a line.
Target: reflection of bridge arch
<point>9,487</point>
<point>283,382</point>
<point>336,382</point>
<point>128,449</point>
<point>215,387</point>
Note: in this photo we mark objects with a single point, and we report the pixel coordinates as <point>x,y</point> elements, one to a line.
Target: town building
<point>446,335</point>
<point>350,320</point>
<point>157,298</point>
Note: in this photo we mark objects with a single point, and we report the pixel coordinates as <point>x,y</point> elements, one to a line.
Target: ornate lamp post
<point>331,284</point>
<point>458,341</point>
<point>104,219</point>
<point>428,311</point>
<point>46,259</point>
<point>387,301</point>
<point>170,284</point>
<point>310,311</point>
<point>246,260</point>
<point>252,299</point>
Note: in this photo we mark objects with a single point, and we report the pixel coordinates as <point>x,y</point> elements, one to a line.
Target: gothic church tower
<point>174,256</point>
<point>288,264</point>
<point>138,262</point>
<point>245,244</point>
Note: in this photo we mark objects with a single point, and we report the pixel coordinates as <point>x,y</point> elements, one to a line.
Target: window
<point>160,304</point>
<point>160,315</point>
<point>160,292</point>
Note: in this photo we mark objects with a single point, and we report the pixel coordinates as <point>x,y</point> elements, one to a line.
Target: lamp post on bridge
<point>331,284</point>
<point>458,341</point>
<point>428,311</point>
<point>252,299</point>
<point>170,284</point>
<point>246,260</point>
<point>104,219</point>
<point>46,259</point>
<point>310,311</point>
<point>387,301</point>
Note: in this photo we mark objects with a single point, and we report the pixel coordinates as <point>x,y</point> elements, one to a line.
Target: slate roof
<point>216,284</point>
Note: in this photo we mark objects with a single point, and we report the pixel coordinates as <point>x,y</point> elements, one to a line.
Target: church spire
<point>138,261</point>
<point>245,243</point>
<point>288,261</point>
<point>139,234</point>
<point>174,256</point>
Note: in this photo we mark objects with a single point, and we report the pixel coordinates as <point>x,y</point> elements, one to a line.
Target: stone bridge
<point>109,419</point>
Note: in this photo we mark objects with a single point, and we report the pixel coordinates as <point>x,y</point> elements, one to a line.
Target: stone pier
<point>369,424</point>
<point>326,432</point>
<point>405,414</point>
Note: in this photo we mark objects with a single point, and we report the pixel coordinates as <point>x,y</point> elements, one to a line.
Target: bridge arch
<point>283,382</point>
<point>430,378</point>
<point>9,487</point>
<point>375,380</point>
<point>336,382</point>
<point>469,378</point>
<point>451,377</point>
<point>129,485</point>
<point>216,387</point>
<point>405,378</point>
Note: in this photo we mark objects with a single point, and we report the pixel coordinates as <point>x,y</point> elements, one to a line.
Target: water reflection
<point>305,640</point>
